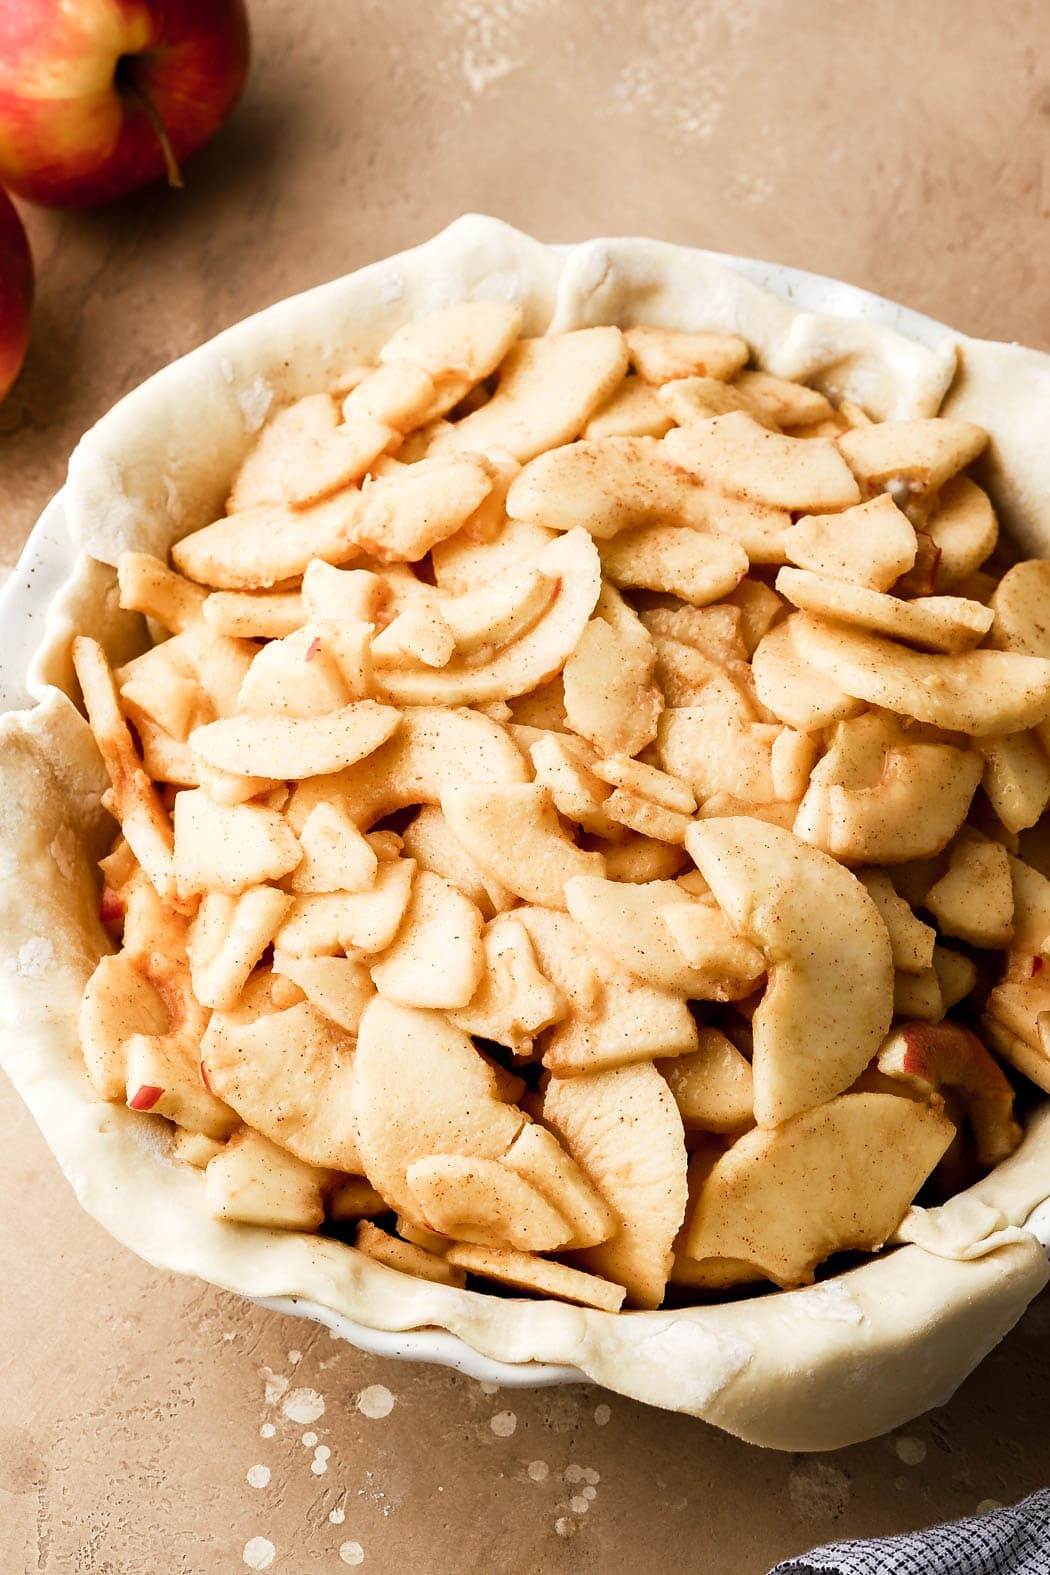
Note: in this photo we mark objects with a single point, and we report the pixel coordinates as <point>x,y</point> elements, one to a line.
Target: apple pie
<point>569,794</point>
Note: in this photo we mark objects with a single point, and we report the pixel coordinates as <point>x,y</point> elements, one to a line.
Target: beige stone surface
<point>903,147</point>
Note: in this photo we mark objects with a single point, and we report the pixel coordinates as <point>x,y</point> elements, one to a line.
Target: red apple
<point>102,96</point>
<point>16,293</point>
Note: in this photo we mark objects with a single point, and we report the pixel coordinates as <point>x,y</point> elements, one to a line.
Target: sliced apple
<point>614,1018</point>
<point>406,1256</point>
<point>828,1003</point>
<point>715,746</point>
<point>871,544</point>
<point>480,1200</point>
<point>911,941</point>
<point>936,623</point>
<point>784,401</point>
<point>193,1148</point>
<point>428,840</point>
<point>926,452</point>
<point>336,856</point>
<point>118,1001</point>
<point>571,562</point>
<point>228,937</point>
<point>261,547</point>
<point>974,900</point>
<point>134,799</point>
<point>1031,893</point>
<point>964,530</point>
<point>432,749</point>
<point>514,1001</point>
<point>956,975</point>
<point>947,1057</point>
<point>649,782</point>
<point>538,1157</point>
<point>286,749</point>
<point>1017,1025</point>
<point>513,832</point>
<point>321,923</point>
<point>298,676</point>
<point>735,455</point>
<point>1016,778</point>
<point>675,560</point>
<point>499,610</point>
<point>250,615</point>
<point>436,958</point>
<point>163,1076</point>
<point>148,586</point>
<point>633,410</point>
<point>528,1273</point>
<point>623,1129</point>
<point>564,764</point>
<point>660,354</point>
<point>632,923</point>
<point>699,398</point>
<point>906,804</point>
<point>548,389</point>
<point>255,1182</point>
<point>608,485</point>
<point>289,1074</point>
<point>229,847</point>
<point>833,1179</point>
<point>422,1089</point>
<point>792,688</point>
<point>457,347</point>
<point>610,697</point>
<point>407,511</point>
<point>713,1087</point>
<point>977,692</point>
<point>304,454</point>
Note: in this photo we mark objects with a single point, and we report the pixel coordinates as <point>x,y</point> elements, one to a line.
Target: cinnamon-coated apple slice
<point>829,999</point>
<point>163,1076</point>
<point>420,1087</point>
<point>935,623</point>
<point>406,1256</point>
<point>457,347</point>
<point>977,692</point>
<point>871,544</point>
<point>229,847</point>
<point>433,749</point>
<point>480,1200</point>
<point>614,1018</point>
<point>526,1272</point>
<point>628,921</point>
<point>288,748</point>
<point>735,455</point>
<point>514,1001</point>
<point>835,1178</point>
<point>258,548</point>
<point>931,1057</point>
<point>118,1001</point>
<point>791,687</point>
<point>572,564</point>
<point>974,899</point>
<point>437,957</point>
<point>513,832</point>
<point>289,1074</point>
<point>712,1087</point>
<point>339,987</point>
<point>926,452</point>
<point>255,1182</point>
<point>610,696</point>
<point>963,529</point>
<point>547,389</point>
<point>660,354</point>
<point>305,453</point>
<point>623,1129</point>
<point>321,923</point>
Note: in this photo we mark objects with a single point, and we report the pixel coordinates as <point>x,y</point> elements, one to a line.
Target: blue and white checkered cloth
<point>1013,1541</point>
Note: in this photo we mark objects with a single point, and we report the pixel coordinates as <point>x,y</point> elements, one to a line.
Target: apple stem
<point>171,163</point>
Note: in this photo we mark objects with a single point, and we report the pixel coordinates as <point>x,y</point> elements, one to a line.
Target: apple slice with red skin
<point>98,100</point>
<point>936,1057</point>
<point>16,292</point>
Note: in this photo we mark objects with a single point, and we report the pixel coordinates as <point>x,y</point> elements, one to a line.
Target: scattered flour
<point>303,1405</point>
<point>375,1402</point>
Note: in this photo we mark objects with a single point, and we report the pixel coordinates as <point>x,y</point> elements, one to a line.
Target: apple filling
<point>573,829</point>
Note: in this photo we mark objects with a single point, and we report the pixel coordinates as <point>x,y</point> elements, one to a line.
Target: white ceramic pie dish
<point>787,1370</point>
